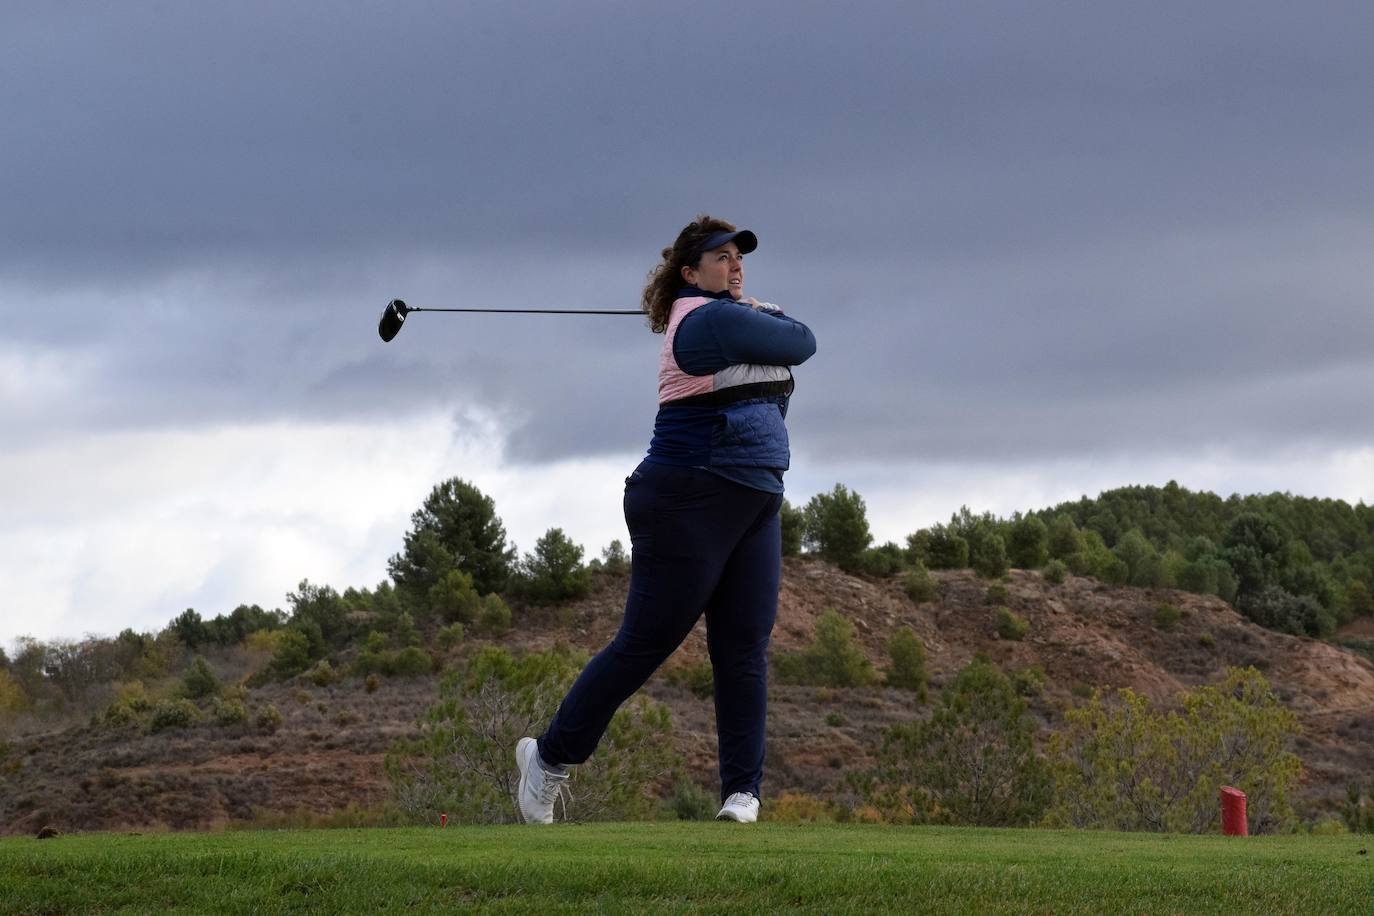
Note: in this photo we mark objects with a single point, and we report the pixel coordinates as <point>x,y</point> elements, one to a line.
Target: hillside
<point>328,753</point>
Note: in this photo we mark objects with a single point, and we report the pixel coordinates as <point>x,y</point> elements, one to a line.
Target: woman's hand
<point>758,306</point>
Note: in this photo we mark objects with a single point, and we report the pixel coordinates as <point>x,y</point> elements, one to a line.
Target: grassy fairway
<point>711,867</point>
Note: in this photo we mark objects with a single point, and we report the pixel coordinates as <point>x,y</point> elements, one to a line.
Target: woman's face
<point>719,269</point>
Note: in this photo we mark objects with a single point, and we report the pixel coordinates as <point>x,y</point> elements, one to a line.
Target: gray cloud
<point>1014,230</point>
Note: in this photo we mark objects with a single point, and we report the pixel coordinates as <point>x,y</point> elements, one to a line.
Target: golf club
<point>394,315</point>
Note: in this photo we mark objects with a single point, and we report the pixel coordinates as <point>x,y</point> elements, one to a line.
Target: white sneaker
<point>742,807</point>
<point>538,787</point>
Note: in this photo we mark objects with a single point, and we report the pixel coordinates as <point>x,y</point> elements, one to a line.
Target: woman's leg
<point>739,622</point>
<point>684,524</point>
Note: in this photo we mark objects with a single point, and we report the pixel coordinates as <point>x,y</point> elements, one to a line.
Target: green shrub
<point>1065,539</point>
<point>1029,681</point>
<point>450,636</point>
<point>404,631</point>
<point>834,719</point>
<point>269,718</point>
<point>230,712</point>
<point>174,713</point>
<point>199,681</point>
<point>836,527</point>
<point>882,562</point>
<point>323,674</point>
<point>690,802</point>
<point>371,683</point>
<point>1009,626</point>
<point>918,584</point>
<point>1167,616</point>
<point>614,559</point>
<point>292,655</point>
<point>494,618</point>
<point>973,762</point>
<point>1055,571</point>
<point>698,678</point>
<point>907,667</point>
<point>1207,639</point>
<point>453,599</point>
<point>940,547</point>
<point>1120,764</point>
<point>832,660</point>
<point>996,594</point>
<point>411,661</point>
<point>988,555</point>
<point>1028,543</point>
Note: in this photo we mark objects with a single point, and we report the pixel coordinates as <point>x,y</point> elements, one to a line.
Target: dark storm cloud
<point>1016,229</point>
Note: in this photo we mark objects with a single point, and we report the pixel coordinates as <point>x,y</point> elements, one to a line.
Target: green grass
<point>686,867</point>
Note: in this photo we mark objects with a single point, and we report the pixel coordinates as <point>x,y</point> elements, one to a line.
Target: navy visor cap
<point>745,240</point>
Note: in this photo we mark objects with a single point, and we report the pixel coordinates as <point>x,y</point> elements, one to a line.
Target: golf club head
<point>393,316</point>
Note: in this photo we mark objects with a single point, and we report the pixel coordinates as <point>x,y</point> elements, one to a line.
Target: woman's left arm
<point>746,334</point>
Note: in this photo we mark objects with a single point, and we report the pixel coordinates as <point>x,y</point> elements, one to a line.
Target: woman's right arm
<point>725,334</point>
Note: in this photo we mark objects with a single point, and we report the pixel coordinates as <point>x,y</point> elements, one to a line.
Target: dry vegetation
<point>325,759</point>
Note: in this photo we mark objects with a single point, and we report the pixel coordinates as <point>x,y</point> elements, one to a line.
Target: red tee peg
<point>1233,821</point>
<point>443,820</point>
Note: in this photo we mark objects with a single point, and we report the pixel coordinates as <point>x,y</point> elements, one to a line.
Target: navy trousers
<point>699,544</point>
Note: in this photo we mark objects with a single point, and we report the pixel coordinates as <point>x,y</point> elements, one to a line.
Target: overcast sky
<point>1047,249</point>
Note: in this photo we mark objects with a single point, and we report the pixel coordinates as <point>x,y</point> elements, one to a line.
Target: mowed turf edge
<point>685,867</point>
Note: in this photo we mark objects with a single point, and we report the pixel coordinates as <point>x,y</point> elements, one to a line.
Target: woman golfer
<point>702,509</point>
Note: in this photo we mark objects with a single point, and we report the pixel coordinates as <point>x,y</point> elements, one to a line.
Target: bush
<point>230,712</point>
<point>1009,626</point>
<point>614,559</point>
<point>1029,681</point>
<point>494,618</point>
<point>450,636</point>
<point>199,682</point>
<point>988,555</point>
<point>832,660</point>
<point>793,523</point>
<point>1276,609</point>
<point>269,718</point>
<point>800,808</point>
<point>175,713</point>
<point>918,584</point>
<point>554,572</point>
<point>972,763</point>
<point>1028,543</point>
<point>461,763</point>
<point>996,594</point>
<point>882,562</point>
<point>698,678</point>
<point>1121,765</point>
<point>1065,539</point>
<point>411,661</point>
<point>690,802</point>
<point>371,683</point>
<point>1055,571</point>
<point>130,704</point>
<point>1167,616</point>
<point>323,674</point>
<point>943,548</point>
<point>292,655</point>
<point>454,599</point>
<point>907,667</point>
<point>836,527</point>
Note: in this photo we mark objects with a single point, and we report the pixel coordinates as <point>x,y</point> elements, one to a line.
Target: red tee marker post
<point>1233,821</point>
<point>443,820</point>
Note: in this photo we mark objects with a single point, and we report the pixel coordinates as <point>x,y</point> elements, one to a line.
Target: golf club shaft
<point>538,311</point>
